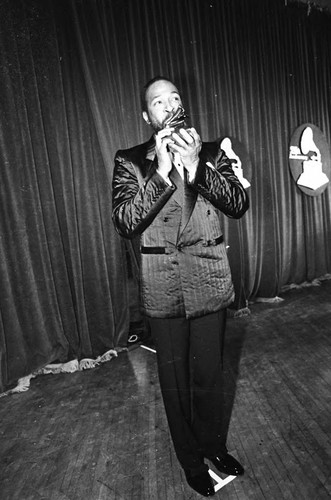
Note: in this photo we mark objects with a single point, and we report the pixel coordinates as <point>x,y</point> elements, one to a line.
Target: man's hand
<point>188,144</point>
<point>162,141</point>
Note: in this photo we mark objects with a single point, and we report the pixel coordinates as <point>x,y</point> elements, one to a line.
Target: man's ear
<point>145,117</point>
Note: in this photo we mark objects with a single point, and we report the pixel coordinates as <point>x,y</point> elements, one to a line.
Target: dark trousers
<point>189,355</point>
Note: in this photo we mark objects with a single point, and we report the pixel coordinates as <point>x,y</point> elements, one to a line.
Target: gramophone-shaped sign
<point>226,145</point>
<point>309,159</point>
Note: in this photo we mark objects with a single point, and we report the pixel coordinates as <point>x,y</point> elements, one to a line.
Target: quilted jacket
<point>184,265</point>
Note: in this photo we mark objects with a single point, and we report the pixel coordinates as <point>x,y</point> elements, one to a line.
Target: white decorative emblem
<point>226,145</point>
<point>312,176</point>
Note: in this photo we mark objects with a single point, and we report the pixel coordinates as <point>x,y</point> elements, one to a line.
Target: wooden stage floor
<point>102,434</point>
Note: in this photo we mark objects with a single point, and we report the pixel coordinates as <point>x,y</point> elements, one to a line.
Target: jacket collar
<point>150,149</point>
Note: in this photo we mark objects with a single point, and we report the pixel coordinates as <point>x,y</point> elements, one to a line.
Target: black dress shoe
<point>228,465</point>
<point>202,483</point>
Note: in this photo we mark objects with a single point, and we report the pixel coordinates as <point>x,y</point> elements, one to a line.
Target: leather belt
<point>214,242</point>
<point>153,250</point>
<point>163,250</point>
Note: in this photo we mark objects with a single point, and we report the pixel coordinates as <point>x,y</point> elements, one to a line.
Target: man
<point>170,191</point>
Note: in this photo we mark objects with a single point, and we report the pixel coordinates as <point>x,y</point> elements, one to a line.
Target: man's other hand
<point>188,144</point>
<point>163,141</point>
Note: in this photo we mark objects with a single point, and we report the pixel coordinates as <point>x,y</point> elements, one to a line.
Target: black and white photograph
<point>165,249</point>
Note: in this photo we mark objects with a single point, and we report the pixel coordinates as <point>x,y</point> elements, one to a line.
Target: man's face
<point>162,98</point>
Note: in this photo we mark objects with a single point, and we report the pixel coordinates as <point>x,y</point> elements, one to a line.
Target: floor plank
<point>102,434</point>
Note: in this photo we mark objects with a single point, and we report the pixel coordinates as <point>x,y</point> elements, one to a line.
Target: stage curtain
<point>71,72</point>
<point>64,291</point>
<point>252,71</point>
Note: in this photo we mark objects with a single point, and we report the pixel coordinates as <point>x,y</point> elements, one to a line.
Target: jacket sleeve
<point>135,205</point>
<point>216,181</point>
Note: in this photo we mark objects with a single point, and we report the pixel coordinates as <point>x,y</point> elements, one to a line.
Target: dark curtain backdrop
<point>71,74</point>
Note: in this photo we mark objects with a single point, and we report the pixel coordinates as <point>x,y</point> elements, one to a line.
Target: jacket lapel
<point>176,179</point>
<point>142,158</point>
<point>190,198</point>
<point>208,153</point>
<point>149,159</point>
<point>184,196</point>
